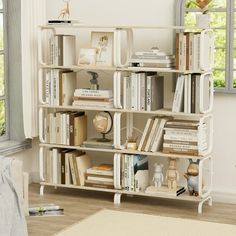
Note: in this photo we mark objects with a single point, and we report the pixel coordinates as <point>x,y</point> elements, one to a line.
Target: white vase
<point>203,21</point>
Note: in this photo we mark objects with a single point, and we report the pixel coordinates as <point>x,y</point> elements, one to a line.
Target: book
<point>179,95</point>
<point>146,133</point>
<point>152,133</point>
<point>83,164</point>
<point>99,179</point>
<point>102,169</point>
<point>93,93</point>
<point>67,86</point>
<point>95,143</point>
<point>164,190</point>
<point>96,184</point>
<point>80,129</point>
<point>158,140</point>
<point>154,92</point>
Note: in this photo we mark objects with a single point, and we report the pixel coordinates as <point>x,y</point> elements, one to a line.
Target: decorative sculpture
<point>65,11</point>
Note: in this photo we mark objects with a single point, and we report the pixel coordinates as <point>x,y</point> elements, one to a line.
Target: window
<point>222,13</point>
<point>3,76</point>
<point>11,113</point>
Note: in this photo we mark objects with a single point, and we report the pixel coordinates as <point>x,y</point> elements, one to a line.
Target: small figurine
<point>172,175</point>
<point>192,177</point>
<point>65,11</point>
<point>158,175</point>
<point>94,81</point>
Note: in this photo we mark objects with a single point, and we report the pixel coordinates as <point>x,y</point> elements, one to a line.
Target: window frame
<point>4,52</point>
<point>229,29</point>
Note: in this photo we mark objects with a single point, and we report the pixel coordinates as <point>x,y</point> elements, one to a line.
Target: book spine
<point>149,93</point>
<point>67,170</point>
<point>177,51</point>
<point>134,92</point>
<point>54,165</point>
<point>67,129</point>
<point>72,169</point>
<point>71,129</point>
<point>180,146</point>
<point>143,92</point>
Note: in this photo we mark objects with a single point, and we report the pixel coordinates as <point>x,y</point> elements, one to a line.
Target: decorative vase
<point>203,21</point>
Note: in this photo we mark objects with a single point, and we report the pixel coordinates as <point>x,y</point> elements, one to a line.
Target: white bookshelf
<point>117,69</point>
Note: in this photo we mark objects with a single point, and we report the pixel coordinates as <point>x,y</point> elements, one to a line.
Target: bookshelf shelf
<point>124,69</point>
<point>124,151</point>
<point>121,98</point>
<point>183,197</point>
<point>161,112</point>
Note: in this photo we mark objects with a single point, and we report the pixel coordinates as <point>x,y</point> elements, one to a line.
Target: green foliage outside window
<point>218,19</point>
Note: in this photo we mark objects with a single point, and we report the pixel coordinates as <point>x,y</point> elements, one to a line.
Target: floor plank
<point>80,204</point>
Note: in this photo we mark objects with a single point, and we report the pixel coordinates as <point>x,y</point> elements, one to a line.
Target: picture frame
<point>87,56</point>
<point>104,44</point>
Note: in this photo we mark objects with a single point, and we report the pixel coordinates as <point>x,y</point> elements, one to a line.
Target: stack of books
<point>152,58</point>
<point>93,98</point>
<point>152,138</point>
<point>143,91</point>
<point>100,176</point>
<point>185,137</point>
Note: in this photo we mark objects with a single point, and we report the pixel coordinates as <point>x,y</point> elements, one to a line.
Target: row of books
<point>66,166</point>
<point>152,138</point>
<point>100,176</point>
<point>62,50</point>
<point>93,98</point>
<point>187,94</point>
<point>59,87</point>
<point>143,92</point>
<point>131,172</point>
<point>185,137</point>
<point>188,46</point>
<point>66,128</point>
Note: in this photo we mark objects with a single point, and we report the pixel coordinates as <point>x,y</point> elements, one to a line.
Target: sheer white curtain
<point>33,13</point>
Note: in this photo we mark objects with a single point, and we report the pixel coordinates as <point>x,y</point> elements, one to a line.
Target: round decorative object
<point>102,122</point>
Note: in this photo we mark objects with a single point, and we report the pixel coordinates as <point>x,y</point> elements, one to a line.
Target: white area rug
<point>116,223</point>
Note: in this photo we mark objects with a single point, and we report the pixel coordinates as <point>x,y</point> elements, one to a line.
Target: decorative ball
<point>102,122</point>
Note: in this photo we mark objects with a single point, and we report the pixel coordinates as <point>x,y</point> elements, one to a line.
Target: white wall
<point>153,12</point>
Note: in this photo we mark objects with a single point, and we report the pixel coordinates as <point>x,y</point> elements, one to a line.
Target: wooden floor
<point>80,204</point>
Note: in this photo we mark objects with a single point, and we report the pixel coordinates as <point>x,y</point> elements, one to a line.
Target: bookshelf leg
<point>208,199</point>
<point>41,191</point>
<point>117,198</point>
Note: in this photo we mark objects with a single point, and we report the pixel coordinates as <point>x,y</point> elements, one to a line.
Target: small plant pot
<point>203,21</point>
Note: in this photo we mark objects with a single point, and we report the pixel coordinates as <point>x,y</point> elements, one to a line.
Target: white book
<point>146,132</point>
<point>52,123</point>
<point>159,136</point>
<point>196,52</point>
<point>68,129</point>
<point>68,85</point>
<point>55,88</point>
<point>100,179</point>
<point>154,92</point>
<point>64,128</point>
<point>58,127</point>
<point>125,88</point>
<point>191,51</point>
<point>184,52</point>
<point>151,135</point>
<point>54,165</point>
<point>59,167</point>
<point>134,91</point>
<point>138,91</point>
<point>181,146</point>
<point>101,93</point>
<point>181,50</point>
<point>68,50</point>
<point>179,95</point>
<point>142,92</point>
<point>48,88</point>
<point>179,137</point>
<point>187,93</point>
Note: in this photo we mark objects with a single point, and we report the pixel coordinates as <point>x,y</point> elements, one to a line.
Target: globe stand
<point>103,139</point>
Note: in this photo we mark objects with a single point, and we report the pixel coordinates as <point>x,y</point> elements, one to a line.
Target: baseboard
<point>224,196</point>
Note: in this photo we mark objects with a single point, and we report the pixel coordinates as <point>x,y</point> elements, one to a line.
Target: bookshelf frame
<point>118,68</point>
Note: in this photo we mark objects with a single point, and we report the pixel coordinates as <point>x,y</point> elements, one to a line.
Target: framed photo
<point>87,56</point>
<point>103,42</point>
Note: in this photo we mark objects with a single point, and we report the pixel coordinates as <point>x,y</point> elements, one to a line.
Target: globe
<point>102,122</point>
